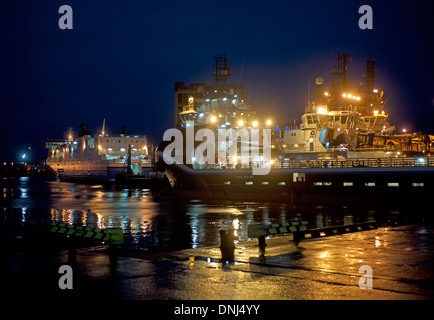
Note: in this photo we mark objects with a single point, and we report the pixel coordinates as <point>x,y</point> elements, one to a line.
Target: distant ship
<point>344,146</point>
<point>101,158</point>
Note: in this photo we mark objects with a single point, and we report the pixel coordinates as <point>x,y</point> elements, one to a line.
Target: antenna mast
<point>222,69</point>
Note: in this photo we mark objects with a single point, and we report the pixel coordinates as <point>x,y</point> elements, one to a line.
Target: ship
<point>121,158</point>
<point>343,148</point>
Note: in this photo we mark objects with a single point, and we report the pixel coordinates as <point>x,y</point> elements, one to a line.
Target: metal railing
<point>354,163</point>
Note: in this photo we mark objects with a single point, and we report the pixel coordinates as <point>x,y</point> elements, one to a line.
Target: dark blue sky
<point>122,58</point>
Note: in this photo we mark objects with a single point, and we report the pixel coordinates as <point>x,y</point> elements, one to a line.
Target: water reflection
<point>152,221</point>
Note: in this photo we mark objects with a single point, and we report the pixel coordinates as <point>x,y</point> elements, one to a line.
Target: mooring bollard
<point>227,245</point>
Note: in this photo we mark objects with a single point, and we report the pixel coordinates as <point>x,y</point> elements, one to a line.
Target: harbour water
<point>154,221</point>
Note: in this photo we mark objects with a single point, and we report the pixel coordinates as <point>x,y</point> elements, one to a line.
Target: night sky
<point>122,58</point>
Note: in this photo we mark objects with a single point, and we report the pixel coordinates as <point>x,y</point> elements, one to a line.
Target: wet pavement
<point>400,258</point>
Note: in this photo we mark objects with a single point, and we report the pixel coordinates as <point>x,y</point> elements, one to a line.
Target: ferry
<point>100,158</point>
<point>344,146</point>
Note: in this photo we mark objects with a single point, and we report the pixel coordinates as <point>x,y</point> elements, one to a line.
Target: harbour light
<point>268,122</point>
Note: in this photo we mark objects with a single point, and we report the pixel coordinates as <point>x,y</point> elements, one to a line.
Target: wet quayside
<point>327,268</point>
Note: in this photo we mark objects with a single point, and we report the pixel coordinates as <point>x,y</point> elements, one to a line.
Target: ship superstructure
<point>221,106</point>
<point>343,120</point>
<point>216,104</point>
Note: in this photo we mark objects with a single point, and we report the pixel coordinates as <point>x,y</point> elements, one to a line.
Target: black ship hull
<point>308,185</point>
<point>150,181</point>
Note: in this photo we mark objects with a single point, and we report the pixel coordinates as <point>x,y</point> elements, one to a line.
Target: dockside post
<point>227,245</point>
<point>261,242</point>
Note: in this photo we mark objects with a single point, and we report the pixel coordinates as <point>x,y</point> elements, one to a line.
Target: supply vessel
<point>343,147</point>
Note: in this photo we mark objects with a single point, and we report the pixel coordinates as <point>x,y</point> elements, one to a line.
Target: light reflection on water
<point>153,221</point>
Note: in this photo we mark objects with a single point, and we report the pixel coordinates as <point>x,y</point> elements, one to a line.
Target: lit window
<point>393,184</point>
<point>317,183</point>
<point>348,184</point>
<point>249,183</point>
<point>227,182</point>
<point>417,184</point>
<point>369,184</point>
<point>327,183</point>
<point>264,182</point>
<point>281,183</point>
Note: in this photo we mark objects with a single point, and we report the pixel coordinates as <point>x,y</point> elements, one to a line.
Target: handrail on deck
<point>389,162</point>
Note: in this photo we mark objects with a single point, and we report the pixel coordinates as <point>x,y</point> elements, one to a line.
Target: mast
<point>340,71</point>
<point>222,69</point>
<point>103,127</point>
<point>372,95</point>
<point>370,74</point>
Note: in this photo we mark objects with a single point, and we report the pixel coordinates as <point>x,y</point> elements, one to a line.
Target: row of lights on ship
<point>241,123</point>
<point>349,95</point>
